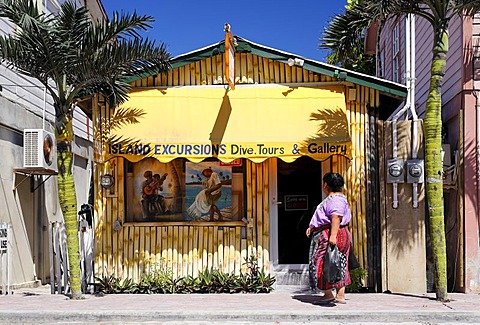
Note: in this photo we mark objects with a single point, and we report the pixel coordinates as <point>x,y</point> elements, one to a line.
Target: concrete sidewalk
<point>286,305</point>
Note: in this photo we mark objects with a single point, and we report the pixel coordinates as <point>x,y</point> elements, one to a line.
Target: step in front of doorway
<point>298,278</point>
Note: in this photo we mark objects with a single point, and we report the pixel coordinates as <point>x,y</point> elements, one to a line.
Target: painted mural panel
<point>208,192</point>
<point>184,191</point>
<point>156,190</point>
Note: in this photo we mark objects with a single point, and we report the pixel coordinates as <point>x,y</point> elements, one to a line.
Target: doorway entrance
<point>299,191</point>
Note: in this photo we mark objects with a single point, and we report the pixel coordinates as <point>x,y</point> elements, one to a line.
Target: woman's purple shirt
<point>338,205</point>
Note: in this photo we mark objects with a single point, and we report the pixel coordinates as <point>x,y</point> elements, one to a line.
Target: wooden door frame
<point>273,208</point>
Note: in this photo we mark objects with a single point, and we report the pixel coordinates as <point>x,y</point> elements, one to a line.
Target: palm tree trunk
<point>68,203</point>
<point>433,162</point>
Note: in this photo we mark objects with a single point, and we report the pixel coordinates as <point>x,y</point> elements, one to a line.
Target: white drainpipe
<point>44,106</point>
<point>411,22</point>
<point>409,102</point>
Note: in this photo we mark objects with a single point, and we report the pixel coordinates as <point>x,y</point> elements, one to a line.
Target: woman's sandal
<point>341,302</point>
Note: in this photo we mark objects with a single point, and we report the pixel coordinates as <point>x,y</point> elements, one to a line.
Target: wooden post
<point>50,253</point>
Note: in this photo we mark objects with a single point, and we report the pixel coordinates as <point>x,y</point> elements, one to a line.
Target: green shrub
<point>356,276</point>
<point>112,284</point>
<point>160,280</point>
<point>257,280</point>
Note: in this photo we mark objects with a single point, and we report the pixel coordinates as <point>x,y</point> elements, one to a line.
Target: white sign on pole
<point>5,252</point>
<point>3,238</point>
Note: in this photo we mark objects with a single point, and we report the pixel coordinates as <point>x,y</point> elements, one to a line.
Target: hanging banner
<point>229,57</point>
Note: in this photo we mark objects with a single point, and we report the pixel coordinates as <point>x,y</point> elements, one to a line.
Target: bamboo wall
<point>356,169</point>
<point>134,249</point>
<point>137,248</point>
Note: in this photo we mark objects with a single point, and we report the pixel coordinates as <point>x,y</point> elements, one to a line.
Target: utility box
<point>403,231</point>
<point>415,171</point>
<point>395,171</point>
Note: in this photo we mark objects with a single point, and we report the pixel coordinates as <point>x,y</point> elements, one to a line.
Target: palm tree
<point>439,14</point>
<point>74,56</point>
<point>344,36</point>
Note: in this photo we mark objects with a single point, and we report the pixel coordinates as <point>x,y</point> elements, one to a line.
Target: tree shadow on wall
<point>403,225</point>
<point>119,117</point>
<point>332,126</point>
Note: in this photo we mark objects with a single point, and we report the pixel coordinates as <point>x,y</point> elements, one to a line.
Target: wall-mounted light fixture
<point>298,62</point>
<point>117,225</point>
<point>106,180</point>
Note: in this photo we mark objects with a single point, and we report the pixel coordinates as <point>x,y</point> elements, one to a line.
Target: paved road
<point>286,305</point>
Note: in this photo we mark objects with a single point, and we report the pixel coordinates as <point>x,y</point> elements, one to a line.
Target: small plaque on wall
<point>296,202</point>
<point>234,163</point>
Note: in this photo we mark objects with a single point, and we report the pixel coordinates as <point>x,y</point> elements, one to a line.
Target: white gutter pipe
<point>395,145</point>
<point>409,103</point>
<point>411,22</point>
<point>403,109</point>
<point>44,106</point>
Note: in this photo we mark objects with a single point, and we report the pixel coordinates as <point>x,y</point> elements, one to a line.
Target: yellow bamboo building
<point>269,124</point>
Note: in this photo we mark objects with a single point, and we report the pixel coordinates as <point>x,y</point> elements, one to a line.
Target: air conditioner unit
<point>39,150</point>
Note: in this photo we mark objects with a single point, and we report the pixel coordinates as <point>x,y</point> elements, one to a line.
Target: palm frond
<point>468,7</point>
<point>20,12</point>
<point>113,49</point>
<point>78,54</point>
<point>72,23</point>
<point>124,116</point>
<point>345,35</point>
<point>121,25</point>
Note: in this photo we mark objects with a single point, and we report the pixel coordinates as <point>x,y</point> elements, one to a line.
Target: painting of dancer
<point>208,192</point>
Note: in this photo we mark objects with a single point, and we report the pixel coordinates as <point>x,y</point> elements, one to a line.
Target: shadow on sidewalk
<point>313,300</point>
<point>410,295</point>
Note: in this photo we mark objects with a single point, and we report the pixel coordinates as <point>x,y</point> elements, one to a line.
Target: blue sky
<point>184,26</point>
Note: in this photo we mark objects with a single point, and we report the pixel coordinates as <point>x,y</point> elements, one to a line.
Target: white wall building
<point>29,198</point>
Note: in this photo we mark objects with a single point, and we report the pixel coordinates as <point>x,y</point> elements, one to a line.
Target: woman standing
<point>329,226</point>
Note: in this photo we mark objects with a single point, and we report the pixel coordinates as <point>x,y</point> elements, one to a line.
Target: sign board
<point>296,202</point>
<point>236,163</point>
<point>3,238</point>
<point>235,133</point>
<point>6,255</point>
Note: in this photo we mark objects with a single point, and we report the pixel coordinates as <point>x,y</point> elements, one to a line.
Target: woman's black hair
<point>334,181</point>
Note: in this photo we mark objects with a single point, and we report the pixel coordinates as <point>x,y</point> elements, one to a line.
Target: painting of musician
<point>155,190</point>
<point>153,202</point>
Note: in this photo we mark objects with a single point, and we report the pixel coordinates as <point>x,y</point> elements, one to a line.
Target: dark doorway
<point>299,191</point>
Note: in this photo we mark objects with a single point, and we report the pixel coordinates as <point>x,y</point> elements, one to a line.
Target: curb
<point>134,316</point>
